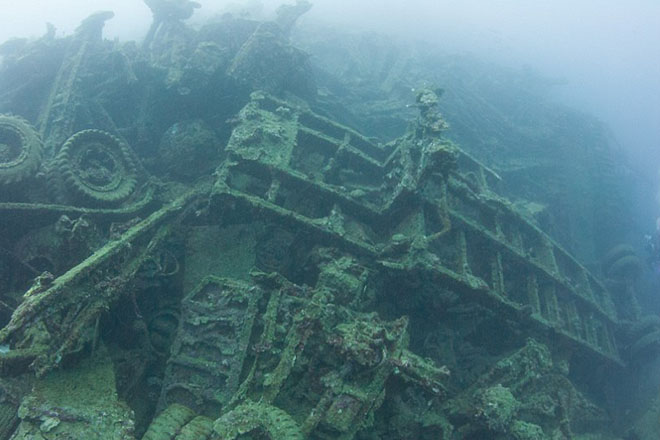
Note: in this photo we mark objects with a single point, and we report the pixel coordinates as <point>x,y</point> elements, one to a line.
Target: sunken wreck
<point>199,244</point>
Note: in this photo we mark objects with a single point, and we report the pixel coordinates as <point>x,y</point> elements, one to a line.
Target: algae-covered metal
<point>197,253</point>
<point>439,211</point>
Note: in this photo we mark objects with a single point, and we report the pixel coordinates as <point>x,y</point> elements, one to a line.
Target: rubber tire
<point>20,139</point>
<point>72,160</point>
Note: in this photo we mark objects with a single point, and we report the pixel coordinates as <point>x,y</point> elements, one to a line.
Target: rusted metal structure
<point>317,284</point>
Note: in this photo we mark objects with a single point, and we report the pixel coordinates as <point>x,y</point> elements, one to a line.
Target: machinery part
<point>187,150</point>
<point>199,428</point>
<point>179,422</point>
<point>647,346</point>
<point>20,149</point>
<point>211,344</point>
<point>169,423</point>
<point>8,418</point>
<point>628,266</point>
<point>162,328</point>
<point>116,263</point>
<point>615,255</point>
<point>97,168</point>
<point>250,416</point>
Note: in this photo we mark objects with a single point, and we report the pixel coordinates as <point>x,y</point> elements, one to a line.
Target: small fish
<point>4,349</point>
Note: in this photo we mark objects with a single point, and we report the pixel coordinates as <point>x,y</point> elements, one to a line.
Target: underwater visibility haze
<point>330,220</point>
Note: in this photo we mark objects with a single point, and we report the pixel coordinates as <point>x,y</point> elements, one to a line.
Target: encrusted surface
<point>212,252</point>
